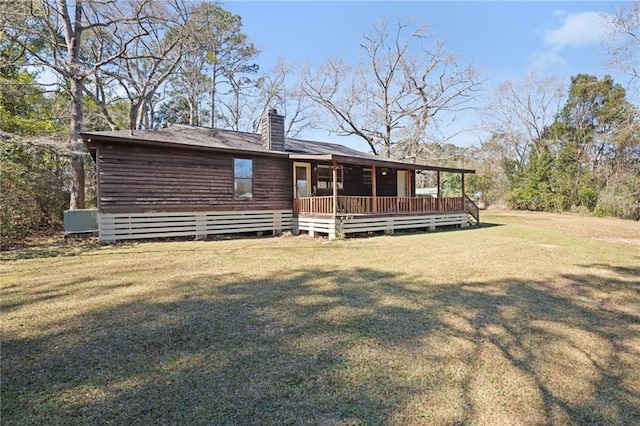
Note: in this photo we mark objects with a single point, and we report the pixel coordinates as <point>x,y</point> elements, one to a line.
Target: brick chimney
<point>273,131</point>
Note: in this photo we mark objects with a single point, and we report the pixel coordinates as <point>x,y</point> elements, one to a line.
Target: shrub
<point>620,198</point>
<point>34,185</point>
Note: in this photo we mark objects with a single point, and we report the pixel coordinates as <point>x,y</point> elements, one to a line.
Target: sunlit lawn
<point>536,321</point>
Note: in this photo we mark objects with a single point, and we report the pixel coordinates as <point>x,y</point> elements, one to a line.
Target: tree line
<point>83,65</point>
<point>583,155</point>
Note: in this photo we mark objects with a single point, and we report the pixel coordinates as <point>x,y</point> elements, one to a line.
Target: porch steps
<point>472,210</point>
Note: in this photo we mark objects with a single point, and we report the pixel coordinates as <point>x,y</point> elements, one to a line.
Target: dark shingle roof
<point>179,135</point>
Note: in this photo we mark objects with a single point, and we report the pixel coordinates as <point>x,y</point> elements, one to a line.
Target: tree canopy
<point>68,66</point>
<point>399,93</point>
<point>591,146</point>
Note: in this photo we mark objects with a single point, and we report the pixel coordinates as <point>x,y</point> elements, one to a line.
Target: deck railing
<point>320,205</point>
<point>377,205</point>
<point>472,208</point>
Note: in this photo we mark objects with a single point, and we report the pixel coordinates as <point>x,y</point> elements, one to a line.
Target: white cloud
<point>542,61</point>
<point>577,30</point>
<point>573,30</point>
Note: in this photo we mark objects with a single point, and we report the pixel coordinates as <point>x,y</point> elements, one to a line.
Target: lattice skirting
<point>113,227</point>
<point>389,224</point>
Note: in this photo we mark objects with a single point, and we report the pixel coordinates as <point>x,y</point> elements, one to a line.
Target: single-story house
<point>194,181</point>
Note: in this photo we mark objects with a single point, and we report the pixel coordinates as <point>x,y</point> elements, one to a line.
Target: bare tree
<point>217,52</point>
<point>271,93</point>
<point>237,72</point>
<point>281,88</point>
<point>521,112</point>
<point>65,29</point>
<point>190,84</point>
<point>148,61</point>
<point>623,40</point>
<point>404,85</point>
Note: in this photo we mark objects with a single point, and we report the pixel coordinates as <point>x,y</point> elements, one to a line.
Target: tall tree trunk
<point>73,35</point>
<point>212,104</point>
<point>133,114</point>
<point>77,147</point>
<point>236,118</point>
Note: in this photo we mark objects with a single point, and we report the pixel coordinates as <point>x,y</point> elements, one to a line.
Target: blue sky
<point>505,40</point>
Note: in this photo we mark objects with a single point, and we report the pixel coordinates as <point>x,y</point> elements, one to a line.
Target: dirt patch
<point>619,240</point>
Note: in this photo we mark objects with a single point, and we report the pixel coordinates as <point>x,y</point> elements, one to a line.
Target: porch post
<point>409,192</point>
<point>374,189</point>
<point>335,187</point>
<point>463,196</point>
<point>438,195</point>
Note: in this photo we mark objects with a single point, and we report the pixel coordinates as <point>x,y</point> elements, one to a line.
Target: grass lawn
<point>533,321</point>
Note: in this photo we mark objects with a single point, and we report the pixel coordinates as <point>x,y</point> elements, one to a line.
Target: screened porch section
<point>342,189</point>
<point>345,198</point>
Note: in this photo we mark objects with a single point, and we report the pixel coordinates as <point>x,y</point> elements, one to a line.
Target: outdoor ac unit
<point>80,221</point>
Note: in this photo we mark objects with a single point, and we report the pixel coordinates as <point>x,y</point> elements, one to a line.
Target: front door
<point>301,180</point>
<point>402,183</point>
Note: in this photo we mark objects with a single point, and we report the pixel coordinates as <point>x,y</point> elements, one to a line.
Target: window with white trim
<point>366,176</point>
<point>242,178</point>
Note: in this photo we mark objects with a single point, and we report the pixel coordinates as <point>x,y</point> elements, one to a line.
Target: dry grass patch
<point>532,322</point>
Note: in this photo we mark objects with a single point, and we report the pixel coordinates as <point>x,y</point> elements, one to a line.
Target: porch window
<point>325,174</point>
<point>366,176</point>
<point>243,177</point>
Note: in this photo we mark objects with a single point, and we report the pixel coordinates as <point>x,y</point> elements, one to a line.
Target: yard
<point>529,319</point>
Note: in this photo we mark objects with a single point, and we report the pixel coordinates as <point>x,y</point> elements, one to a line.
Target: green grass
<point>534,321</point>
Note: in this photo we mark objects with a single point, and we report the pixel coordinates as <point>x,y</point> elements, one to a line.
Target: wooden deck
<point>356,205</point>
<point>341,215</point>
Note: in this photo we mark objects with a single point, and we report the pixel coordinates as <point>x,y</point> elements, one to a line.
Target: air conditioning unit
<point>80,221</point>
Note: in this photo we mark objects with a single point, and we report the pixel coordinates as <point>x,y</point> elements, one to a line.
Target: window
<point>325,174</point>
<point>366,176</point>
<point>243,178</point>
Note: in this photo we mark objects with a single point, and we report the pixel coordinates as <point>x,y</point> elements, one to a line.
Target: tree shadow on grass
<point>632,272</point>
<point>325,347</point>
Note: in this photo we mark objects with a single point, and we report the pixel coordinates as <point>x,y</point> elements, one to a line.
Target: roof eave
<point>361,161</point>
<point>90,138</point>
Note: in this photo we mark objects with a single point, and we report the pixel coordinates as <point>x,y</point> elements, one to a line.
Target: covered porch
<point>336,195</point>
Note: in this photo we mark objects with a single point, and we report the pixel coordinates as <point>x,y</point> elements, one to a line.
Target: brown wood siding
<point>141,179</point>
